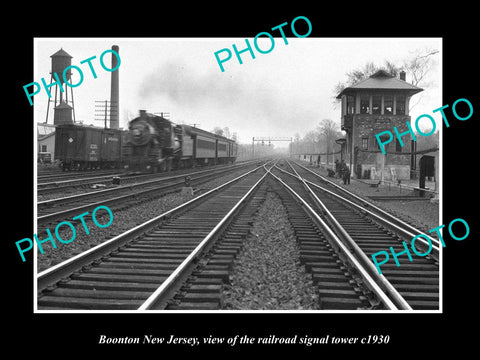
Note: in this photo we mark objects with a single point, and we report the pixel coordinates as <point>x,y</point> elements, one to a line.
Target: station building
<point>45,141</point>
<point>369,107</point>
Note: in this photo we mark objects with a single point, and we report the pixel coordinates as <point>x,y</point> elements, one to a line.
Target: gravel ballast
<point>267,274</point>
<point>124,218</point>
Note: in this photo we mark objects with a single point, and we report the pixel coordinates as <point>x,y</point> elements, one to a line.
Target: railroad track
<point>373,230</point>
<point>404,228</point>
<point>336,280</point>
<point>182,259</point>
<point>143,268</point>
<point>64,185</point>
<point>183,263</point>
<point>339,287</point>
<point>63,176</point>
<point>61,208</point>
<point>83,181</point>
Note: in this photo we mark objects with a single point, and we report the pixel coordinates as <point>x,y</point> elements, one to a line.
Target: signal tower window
<point>364,104</point>
<point>350,105</point>
<point>400,108</point>
<point>376,104</point>
<point>388,104</point>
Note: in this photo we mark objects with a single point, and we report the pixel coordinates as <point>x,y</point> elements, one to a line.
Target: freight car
<point>80,147</point>
<point>156,144</point>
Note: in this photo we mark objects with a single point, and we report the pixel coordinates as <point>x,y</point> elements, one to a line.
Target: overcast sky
<point>284,92</point>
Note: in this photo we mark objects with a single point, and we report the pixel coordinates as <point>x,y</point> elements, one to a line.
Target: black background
<point>411,335</point>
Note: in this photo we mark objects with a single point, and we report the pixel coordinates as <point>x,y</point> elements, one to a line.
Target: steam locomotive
<point>151,143</point>
<point>156,144</point>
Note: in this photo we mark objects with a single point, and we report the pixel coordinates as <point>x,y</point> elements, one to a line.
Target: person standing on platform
<point>341,167</point>
<point>346,174</point>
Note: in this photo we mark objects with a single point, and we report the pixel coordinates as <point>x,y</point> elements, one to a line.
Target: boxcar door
<point>111,146</point>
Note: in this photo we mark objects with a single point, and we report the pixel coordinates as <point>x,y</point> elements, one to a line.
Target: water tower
<point>61,60</point>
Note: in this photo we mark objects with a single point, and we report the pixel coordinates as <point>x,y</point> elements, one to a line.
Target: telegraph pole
<point>104,111</point>
<point>165,115</point>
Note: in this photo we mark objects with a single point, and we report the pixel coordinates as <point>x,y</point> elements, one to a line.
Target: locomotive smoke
<point>256,99</point>
<point>186,88</point>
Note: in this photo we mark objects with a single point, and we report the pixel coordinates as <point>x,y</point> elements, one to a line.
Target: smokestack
<point>114,92</point>
<point>402,75</point>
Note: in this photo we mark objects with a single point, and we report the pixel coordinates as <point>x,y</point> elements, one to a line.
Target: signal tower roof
<point>381,80</point>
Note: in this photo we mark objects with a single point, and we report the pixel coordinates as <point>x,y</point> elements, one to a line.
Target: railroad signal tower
<point>372,106</point>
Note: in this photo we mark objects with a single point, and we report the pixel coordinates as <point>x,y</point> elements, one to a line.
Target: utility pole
<point>104,111</point>
<point>165,115</point>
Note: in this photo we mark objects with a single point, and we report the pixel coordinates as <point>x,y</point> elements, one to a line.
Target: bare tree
<point>417,66</point>
<point>328,132</point>
<point>217,130</point>
<point>226,132</point>
<point>310,141</point>
<point>356,75</point>
<point>420,65</point>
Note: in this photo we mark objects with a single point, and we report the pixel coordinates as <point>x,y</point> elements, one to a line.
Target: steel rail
<point>57,183</point>
<point>73,174</point>
<point>161,294</point>
<point>405,229</point>
<point>377,217</point>
<point>130,186</point>
<point>385,292</point>
<point>65,268</point>
<point>79,209</point>
<point>386,285</point>
<point>45,187</point>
